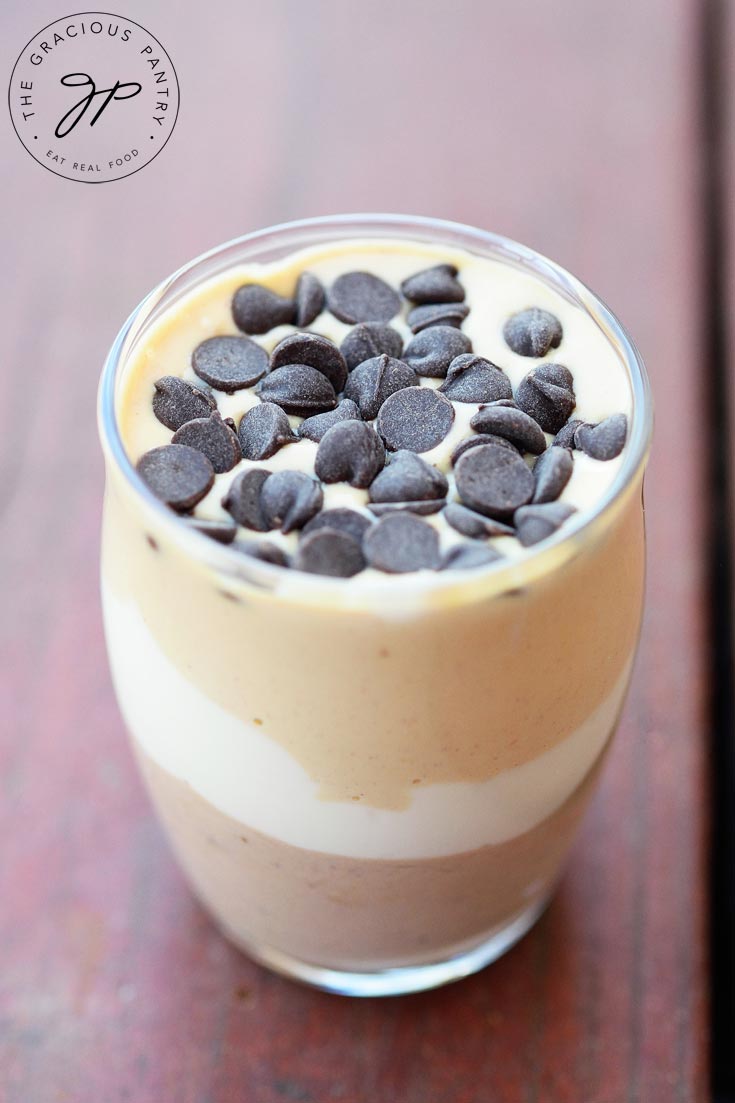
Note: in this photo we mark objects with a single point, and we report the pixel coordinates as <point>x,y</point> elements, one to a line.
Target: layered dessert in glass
<point>372,578</point>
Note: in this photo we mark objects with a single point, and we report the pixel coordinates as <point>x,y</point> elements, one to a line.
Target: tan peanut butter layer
<point>372,707</point>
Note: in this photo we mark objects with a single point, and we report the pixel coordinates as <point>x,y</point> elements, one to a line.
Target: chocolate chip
<point>437,314</point>
<point>604,441</point>
<point>375,380</point>
<point>263,430</point>
<point>513,424</point>
<point>343,520</point>
<point>370,339</point>
<point>434,285</point>
<point>329,552</point>
<point>552,471</point>
<point>350,452</point>
<point>535,523</point>
<point>432,351</point>
<point>402,542</point>
<point>242,500</point>
<point>417,418</point>
<point>257,309</point>
<point>480,438</point>
<point>229,363</point>
<point>314,428</point>
<point>494,481</point>
<point>290,499</point>
<point>180,476</point>
<point>223,532</point>
<point>175,401</point>
<point>381,509</point>
<point>473,524</point>
<point>362,297</point>
<point>298,389</point>
<point>269,552</point>
<point>565,437</point>
<point>309,299</point>
<point>314,351</point>
<point>465,557</point>
<point>213,438</point>
<point>408,478</point>
<point>265,550</point>
<point>547,394</point>
<point>533,332</point>
<point>475,379</point>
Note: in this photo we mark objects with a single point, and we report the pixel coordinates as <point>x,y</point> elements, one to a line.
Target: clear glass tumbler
<point>524,664</point>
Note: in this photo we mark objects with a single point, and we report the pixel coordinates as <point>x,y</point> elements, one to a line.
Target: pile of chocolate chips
<point>363,404</point>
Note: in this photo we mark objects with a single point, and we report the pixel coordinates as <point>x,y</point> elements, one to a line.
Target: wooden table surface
<point>577,127</point>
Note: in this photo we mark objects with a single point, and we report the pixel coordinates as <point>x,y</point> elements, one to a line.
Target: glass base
<point>397,981</point>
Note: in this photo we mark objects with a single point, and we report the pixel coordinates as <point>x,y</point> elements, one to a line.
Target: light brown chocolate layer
<point>357,914</point>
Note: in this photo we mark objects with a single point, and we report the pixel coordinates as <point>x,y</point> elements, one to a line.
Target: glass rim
<point>235,563</point>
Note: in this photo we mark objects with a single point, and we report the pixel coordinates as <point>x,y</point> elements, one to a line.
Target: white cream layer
<point>247,776</point>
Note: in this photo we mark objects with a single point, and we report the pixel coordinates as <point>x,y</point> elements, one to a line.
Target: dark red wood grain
<point>573,126</point>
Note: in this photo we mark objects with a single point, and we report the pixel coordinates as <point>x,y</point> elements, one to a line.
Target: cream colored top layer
<point>494,291</point>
